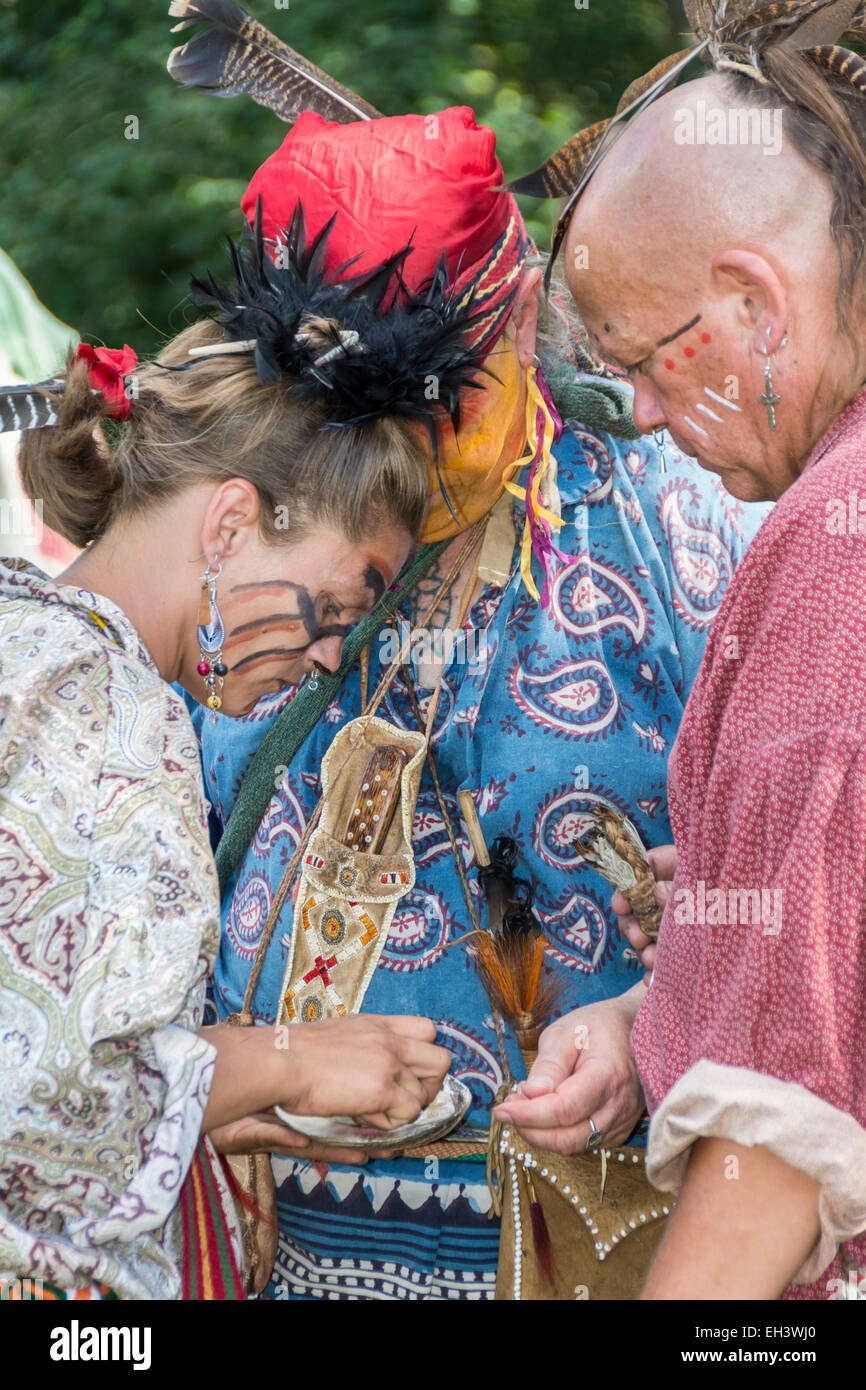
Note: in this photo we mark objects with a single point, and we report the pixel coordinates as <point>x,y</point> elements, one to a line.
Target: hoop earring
<point>311,680</point>
<point>211,635</point>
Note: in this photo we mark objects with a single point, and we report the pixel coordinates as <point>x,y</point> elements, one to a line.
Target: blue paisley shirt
<point>542,714</point>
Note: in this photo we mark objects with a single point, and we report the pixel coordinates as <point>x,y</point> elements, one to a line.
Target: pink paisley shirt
<point>754,1027</point>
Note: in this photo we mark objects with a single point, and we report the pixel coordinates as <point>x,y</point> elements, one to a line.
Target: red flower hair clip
<point>107,368</point>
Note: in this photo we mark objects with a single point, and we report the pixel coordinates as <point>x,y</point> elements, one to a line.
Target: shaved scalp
<point>657,211</point>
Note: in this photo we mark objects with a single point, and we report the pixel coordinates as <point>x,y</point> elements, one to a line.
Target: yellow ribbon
<point>534,402</point>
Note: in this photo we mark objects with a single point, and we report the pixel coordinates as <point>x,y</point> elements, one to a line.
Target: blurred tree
<point>117,184</point>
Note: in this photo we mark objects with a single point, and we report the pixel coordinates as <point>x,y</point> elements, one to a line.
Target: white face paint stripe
<point>721,400</point>
<point>712,414</point>
<point>693,426</point>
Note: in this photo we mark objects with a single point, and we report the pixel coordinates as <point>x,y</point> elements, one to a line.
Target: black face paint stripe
<point>271,651</point>
<point>685,328</point>
<point>320,635</point>
<point>374,582</point>
<point>308,613</point>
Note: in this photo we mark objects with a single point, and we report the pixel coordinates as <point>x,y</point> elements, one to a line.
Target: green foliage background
<point>108,230</point>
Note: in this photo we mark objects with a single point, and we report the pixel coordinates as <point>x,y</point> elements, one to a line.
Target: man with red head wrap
<point>581,622</point>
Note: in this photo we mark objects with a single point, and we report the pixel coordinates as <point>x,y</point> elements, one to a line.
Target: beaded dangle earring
<point>211,635</point>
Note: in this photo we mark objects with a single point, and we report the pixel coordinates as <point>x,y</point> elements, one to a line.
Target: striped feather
<point>608,140</point>
<point>635,90</point>
<point>27,407</point>
<point>236,54</point>
<point>779,13</point>
<point>840,61</point>
<point>559,174</point>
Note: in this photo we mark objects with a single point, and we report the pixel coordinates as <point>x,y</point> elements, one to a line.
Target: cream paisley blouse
<point>109,922</point>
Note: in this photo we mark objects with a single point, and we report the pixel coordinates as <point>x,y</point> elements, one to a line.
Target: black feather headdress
<point>366,346</point>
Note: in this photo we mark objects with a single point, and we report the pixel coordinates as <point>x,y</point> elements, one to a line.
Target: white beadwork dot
<point>583,1211</point>
<point>506,1134</point>
<point>544,1172</point>
<point>634,1158</point>
<point>566,1191</point>
<point>621,1158</point>
<point>553,1177</point>
<point>595,1230</point>
<point>654,1215</point>
<point>632,1225</point>
<point>601,1255</point>
<point>623,1232</point>
<point>574,1200</point>
<point>666,1210</point>
<point>511,1151</point>
<point>365,787</point>
<point>615,1238</point>
<point>598,1245</point>
<point>607,1247</point>
<point>642,1216</point>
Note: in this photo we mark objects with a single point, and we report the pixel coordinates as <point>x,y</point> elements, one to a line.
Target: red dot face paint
<point>705,338</point>
<point>690,352</point>
<point>669,364</point>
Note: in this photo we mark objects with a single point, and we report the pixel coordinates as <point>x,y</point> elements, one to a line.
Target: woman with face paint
<point>230,541</point>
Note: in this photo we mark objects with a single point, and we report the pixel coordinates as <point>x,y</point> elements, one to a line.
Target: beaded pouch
<point>560,1238</point>
<point>347,895</point>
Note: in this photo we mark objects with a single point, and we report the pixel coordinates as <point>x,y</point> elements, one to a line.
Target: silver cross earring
<point>769,398</point>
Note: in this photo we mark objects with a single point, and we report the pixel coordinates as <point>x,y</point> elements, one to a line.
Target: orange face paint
<point>474,464</point>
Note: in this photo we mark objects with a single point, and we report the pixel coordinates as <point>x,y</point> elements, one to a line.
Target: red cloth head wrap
<point>424,179</point>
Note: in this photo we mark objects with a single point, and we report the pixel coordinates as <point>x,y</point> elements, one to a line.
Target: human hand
<point>585,1068</point>
<point>264,1133</point>
<point>380,1069</point>
<point>663,862</point>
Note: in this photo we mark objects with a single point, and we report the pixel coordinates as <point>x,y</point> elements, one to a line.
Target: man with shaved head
<point>702,261</point>
<point>727,279</point>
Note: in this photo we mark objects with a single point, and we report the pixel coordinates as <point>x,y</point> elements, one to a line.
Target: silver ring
<point>596,1138</point>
